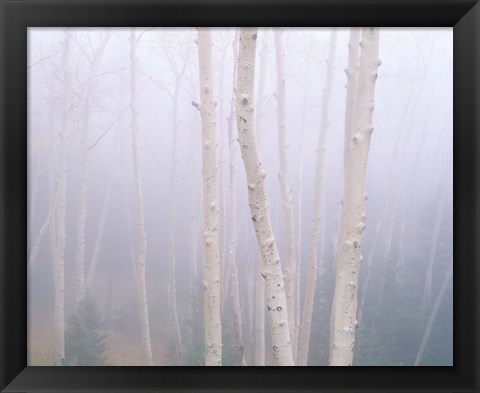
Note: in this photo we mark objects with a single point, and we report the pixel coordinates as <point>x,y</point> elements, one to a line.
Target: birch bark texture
<point>352,83</point>
<point>344,307</point>
<point>318,211</point>
<point>212,285</point>
<point>259,355</point>
<point>285,190</point>
<point>140,266</point>
<point>255,174</point>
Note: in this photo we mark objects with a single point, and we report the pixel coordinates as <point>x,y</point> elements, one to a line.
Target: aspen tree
<point>433,315</point>
<point>285,190</point>
<point>172,285</point>
<point>60,207</point>
<point>299,206</point>
<point>212,285</point>
<point>41,234</point>
<point>100,233</point>
<point>255,174</point>
<point>259,342</point>
<point>102,222</point>
<point>427,291</point>
<point>305,327</point>
<point>232,243</point>
<point>140,219</point>
<point>49,221</point>
<point>82,194</point>
<point>352,83</point>
<point>344,307</point>
<point>52,192</point>
<point>194,287</point>
<point>222,237</point>
<point>237,317</point>
<point>390,219</point>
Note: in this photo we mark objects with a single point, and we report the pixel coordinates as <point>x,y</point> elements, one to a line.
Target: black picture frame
<point>18,15</point>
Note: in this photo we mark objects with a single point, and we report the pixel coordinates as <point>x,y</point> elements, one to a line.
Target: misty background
<point>409,186</point>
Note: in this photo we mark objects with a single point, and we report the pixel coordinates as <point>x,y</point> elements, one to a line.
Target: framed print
<point>239,184</point>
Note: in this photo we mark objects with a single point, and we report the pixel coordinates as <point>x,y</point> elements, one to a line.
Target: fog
<point>80,125</point>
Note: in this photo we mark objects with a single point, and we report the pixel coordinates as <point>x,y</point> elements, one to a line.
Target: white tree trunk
<point>431,320</point>
<point>172,285</point>
<point>232,243</point>
<point>140,219</point>
<point>60,199</point>
<point>390,219</point>
<point>344,307</point>
<point>427,292</point>
<point>259,323</point>
<point>82,194</point>
<point>224,265</point>
<point>352,83</point>
<point>41,234</point>
<point>318,211</point>
<point>285,190</point>
<point>255,173</point>
<point>212,285</point>
<point>299,205</point>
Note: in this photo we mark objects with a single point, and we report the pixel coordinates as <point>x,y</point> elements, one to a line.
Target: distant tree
<point>85,339</point>
<point>140,267</point>
<point>427,293</point>
<point>318,214</point>
<point>59,243</point>
<point>84,128</point>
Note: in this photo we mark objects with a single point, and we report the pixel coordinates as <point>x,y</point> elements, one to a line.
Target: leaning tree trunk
<point>431,320</point>
<point>255,173</point>
<point>344,307</point>
<point>41,234</point>
<point>285,190</point>
<point>140,220</point>
<point>212,285</point>
<point>306,326</point>
<point>102,223</point>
